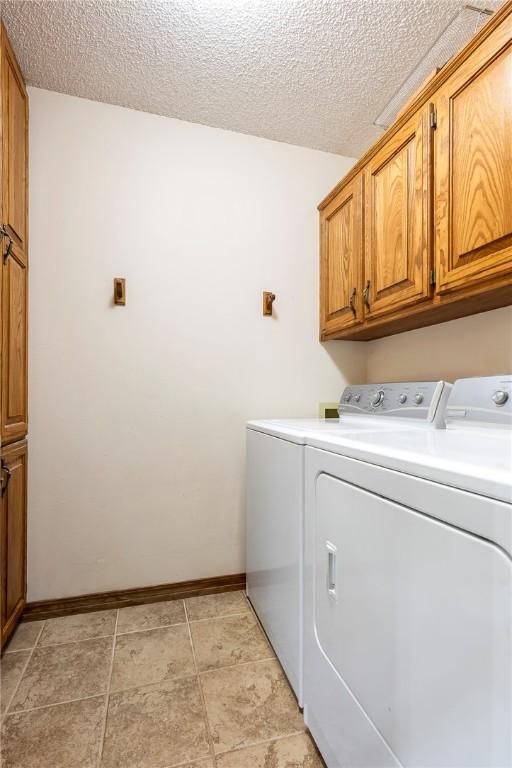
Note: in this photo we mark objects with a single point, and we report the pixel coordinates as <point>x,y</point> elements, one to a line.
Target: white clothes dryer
<point>408,590</point>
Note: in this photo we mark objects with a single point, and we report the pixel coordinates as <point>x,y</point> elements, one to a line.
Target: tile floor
<point>189,683</point>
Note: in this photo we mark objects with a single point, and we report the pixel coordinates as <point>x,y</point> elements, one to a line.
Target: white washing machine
<point>275,500</point>
<point>408,590</point>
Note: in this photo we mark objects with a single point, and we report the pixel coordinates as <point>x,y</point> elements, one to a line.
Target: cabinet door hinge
<point>432,277</point>
<point>433,118</point>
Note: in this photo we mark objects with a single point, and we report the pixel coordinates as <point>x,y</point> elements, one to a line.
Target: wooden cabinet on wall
<point>397,214</point>
<point>341,233</point>
<point>437,205</point>
<point>13,534</point>
<point>13,334</point>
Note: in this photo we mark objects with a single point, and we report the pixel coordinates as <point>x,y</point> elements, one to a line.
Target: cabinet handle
<point>352,301</point>
<point>5,233</point>
<point>7,471</point>
<point>366,294</point>
<point>9,248</point>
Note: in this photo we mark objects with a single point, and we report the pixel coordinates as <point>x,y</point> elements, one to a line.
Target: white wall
<point>137,414</point>
<point>479,345</point>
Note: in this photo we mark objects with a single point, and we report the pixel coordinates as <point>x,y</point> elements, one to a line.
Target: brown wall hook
<point>268,300</point>
<point>119,291</point>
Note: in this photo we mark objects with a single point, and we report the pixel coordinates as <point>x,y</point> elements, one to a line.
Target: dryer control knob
<point>377,398</point>
<point>418,399</point>
<point>500,397</point>
<point>348,397</point>
<point>403,398</point>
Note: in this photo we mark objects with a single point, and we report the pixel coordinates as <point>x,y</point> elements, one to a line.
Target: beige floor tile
<point>249,703</point>
<point>214,606</point>
<point>148,657</point>
<point>11,669</point>
<point>138,617</point>
<point>208,763</point>
<point>64,736</point>
<point>156,726</point>
<point>62,672</point>
<point>79,626</point>
<point>230,640</point>
<point>291,752</point>
<point>25,636</point>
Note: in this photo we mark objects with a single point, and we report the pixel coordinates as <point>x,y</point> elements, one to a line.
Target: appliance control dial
<point>418,399</point>
<point>377,398</point>
<point>403,398</point>
<point>500,397</point>
<point>348,397</point>
<point>357,397</point>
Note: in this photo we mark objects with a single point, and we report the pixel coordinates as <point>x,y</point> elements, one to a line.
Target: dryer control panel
<point>482,400</point>
<point>419,400</point>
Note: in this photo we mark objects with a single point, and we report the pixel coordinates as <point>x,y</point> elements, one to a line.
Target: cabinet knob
<point>366,294</point>
<point>352,301</point>
<point>5,483</point>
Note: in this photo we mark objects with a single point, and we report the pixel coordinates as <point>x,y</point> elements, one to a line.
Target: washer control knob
<point>357,397</point>
<point>377,398</point>
<point>348,397</point>
<point>500,397</point>
<point>418,399</point>
<point>403,398</point>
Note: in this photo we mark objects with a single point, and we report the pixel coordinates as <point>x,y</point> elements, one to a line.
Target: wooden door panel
<point>341,260</point>
<point>14,347</point>
<point>391,192</point>
<point>474,170</point>
<point>14,530</point>
<point>15,125</point>
<point>397,214</point>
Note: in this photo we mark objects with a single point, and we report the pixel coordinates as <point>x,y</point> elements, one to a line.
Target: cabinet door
<point>397,215</point>
<point>341,243</point>
<point>14,346</point>
<point>14,534</point>
<point>473,196</point>
<point>15,146</point>
<point>14,113</point>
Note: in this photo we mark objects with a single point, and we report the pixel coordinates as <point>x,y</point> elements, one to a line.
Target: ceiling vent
<point>458,32</point>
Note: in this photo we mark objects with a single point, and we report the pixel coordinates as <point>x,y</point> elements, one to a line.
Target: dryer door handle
<point>331,569</point>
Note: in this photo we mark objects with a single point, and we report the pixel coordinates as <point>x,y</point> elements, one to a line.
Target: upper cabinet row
<point>420,231</point>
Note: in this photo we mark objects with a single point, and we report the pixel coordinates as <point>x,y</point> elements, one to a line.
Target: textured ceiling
<point>308,72</point>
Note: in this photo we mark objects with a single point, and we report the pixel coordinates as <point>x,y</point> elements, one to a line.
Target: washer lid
<point>300,430</point>
<point>475,460</point>
<point>293,430</point>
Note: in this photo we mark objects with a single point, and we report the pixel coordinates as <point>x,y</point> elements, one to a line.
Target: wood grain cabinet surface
<point>437,204</point>
<point>14,132</point>
<point>341,233</point>
<point>13,337</point>
<point>13,535</point>
<point>397,211</point>
<point>474,168</point>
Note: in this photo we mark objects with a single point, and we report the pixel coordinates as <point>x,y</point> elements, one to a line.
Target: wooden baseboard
<point>101,601</point>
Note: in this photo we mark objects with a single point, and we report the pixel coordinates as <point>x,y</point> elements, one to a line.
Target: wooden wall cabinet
<point>437,207</point>
<point>341,233</point>
<point>14,132</point>
<point>13,336</point>
<point>474,168</point>
<point>13,535</point>
<point>397,216</point>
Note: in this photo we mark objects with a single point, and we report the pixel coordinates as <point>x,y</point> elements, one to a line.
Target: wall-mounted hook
<point>119,291</point>
<point>268,300</point>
